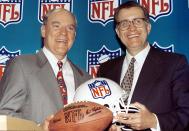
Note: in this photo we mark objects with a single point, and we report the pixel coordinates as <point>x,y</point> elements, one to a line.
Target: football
<point>81,116</point>
<point>103,59</point>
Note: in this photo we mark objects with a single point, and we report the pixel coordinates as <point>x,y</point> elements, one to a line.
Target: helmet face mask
<point>108,93</point>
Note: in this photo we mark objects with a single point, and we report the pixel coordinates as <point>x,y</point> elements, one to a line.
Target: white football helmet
<point>103,91</point>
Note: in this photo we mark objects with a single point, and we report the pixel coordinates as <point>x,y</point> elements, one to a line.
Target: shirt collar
<point>51,57</point>
<point>141,56</point>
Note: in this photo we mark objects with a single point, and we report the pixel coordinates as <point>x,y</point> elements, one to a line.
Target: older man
<point>36,86</point>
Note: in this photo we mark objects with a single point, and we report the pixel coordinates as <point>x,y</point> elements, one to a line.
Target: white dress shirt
<point>140,58</point>
<point>67,72</point>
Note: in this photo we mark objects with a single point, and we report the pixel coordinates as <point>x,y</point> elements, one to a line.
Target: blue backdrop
<point>96,42</point>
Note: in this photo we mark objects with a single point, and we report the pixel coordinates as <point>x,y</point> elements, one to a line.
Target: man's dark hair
<point>128,5</point>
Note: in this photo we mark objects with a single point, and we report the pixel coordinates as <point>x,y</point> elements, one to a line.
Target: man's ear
<point>43,31</point>
<point>75,33</point>
<point>149,28</point>
<point>117,32</point>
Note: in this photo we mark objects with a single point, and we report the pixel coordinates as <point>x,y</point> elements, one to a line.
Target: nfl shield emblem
<point>10,12</point>
<point>158,8</point>
<point>46,5</point>
<point>5,55</point>
<point>99,89</point>
<point>94,59</point>
<point>102,11</point>
<point>169,48</point>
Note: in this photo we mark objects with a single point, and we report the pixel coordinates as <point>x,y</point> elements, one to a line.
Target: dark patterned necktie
<point>61,83</point>
<point>127,81</point>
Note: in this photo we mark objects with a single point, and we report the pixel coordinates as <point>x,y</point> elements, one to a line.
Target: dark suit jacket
<point>29,88</point>
<point>162,86</point>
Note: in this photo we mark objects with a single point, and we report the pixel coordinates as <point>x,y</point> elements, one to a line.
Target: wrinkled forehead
<point>60,15</point>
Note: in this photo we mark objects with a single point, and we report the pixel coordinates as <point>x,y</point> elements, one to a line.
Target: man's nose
<point>63,30</point>
<point>132,25</point>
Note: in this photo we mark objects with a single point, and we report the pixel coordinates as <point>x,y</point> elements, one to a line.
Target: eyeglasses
<point>125,24</point>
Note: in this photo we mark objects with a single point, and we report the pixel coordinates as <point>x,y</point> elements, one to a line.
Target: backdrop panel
<point>96,42</point>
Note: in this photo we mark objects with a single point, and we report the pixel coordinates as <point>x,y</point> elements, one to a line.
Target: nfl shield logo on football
<point>157,8</point>
<point>95,58</point>
<point>5,55</point>
<point>169,48</point>
<point>46,5</point>
<point>102,11</point>
<point>11,12</point>
<point>99,89</point>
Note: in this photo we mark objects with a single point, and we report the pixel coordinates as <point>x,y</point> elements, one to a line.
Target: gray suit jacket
<point>29,87</point>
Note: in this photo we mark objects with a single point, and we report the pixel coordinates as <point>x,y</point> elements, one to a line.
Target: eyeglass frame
<point>131,21</point>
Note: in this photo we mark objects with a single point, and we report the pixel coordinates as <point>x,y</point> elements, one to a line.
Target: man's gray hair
<point>46,16</point>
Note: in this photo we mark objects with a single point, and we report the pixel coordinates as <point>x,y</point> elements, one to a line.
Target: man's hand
<point>45,124</point>
<point>139,121</point>
<point>114,128</point>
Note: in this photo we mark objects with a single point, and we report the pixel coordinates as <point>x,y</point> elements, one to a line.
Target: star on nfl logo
<point>94,59</point>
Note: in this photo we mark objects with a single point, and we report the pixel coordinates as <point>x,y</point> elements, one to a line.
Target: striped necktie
<point>127,81</point>
<point>61,83</point>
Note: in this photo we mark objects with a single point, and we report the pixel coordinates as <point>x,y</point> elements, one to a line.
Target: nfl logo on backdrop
<point>169,48</point>
<point>5,55</point>
<point>102,11</point>
<point>95,58</point>
<point>11,12</point>
<point>46,5</point>
<point>99,89</point>
<point>157,8</point>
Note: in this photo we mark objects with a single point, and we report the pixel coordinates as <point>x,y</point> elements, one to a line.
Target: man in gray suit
<point>29,87</point>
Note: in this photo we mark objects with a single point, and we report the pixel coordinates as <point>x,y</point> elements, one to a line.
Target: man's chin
<point>61,54</point>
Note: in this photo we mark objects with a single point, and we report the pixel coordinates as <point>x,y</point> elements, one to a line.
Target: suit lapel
<point>48,79</point>
<point>77,74</point>
<point>148,76</point>
<point>117,70</point>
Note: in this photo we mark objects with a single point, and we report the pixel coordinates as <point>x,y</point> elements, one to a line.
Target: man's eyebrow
<point>55,22</point>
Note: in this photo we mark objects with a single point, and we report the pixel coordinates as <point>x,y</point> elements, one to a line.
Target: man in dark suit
<point>29,87</point>
<point>160,86</point>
